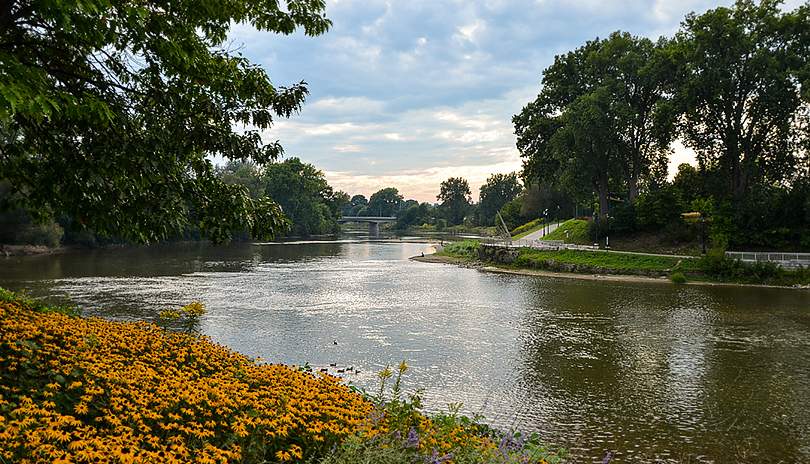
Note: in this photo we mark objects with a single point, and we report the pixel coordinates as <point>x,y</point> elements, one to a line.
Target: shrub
<point>466,248</point>
<point>624,219</point>
<point>658,209</point>
<point>677,278</point>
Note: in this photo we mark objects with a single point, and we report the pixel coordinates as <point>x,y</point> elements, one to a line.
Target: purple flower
<point>435,459</point>
<point>607,458</point>
<point>413,440</point>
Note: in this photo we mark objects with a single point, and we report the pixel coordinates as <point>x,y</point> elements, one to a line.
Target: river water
<point>648,371</point>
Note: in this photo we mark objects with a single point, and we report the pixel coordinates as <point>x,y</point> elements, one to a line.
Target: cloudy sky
<point>407,93</point>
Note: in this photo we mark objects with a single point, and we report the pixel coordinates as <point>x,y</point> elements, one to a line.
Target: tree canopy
<point>109,111</point>
<point>385,202</point>
<point>739,90</point>
<point>602,119</point>
<point>499,190</point>
<point>455,196</point>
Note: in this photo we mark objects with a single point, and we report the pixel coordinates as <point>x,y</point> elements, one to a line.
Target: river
<point>647,371</point>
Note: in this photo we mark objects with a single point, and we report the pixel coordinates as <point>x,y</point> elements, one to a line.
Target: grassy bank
<point>714,267</point>
<point>87,390</point>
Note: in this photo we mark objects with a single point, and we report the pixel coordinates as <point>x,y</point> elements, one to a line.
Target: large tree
<point>308,201</point>
<point>109,110</point>
<point>385,202</point>
<point>740,90</point>
<point>602,119</point>
<point>499,190</point>
<point>455,196</point>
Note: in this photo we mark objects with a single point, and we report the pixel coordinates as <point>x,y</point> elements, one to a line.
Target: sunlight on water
<point>644,370</point>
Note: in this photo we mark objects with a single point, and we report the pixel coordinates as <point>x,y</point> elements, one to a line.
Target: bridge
<point>373,222</point>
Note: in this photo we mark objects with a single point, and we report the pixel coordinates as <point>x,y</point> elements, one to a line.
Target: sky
<point>408,93</point>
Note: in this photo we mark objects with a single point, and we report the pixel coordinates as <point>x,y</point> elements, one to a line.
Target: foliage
<point>499,190</point>
<point>311,205</point>
<point>108,112</point>
<point>601,117</point>
<point>511,214</point>
<point>537,199</point>
<point>731,84</point>
<point>455,197</point>
<point>598,229</point>
<point>738,88</point>
<point>188,316</point>
<point>414,216</point>
<point>659,209</point>
<point>465,249</point>
<point>384,203</point>
<point>528,228</point>
<point>308,202</point>
<point>624,219</point>
<point>355,204</point>
<point>677,277</point>
<point>17,227</point>
<point>74,390</point>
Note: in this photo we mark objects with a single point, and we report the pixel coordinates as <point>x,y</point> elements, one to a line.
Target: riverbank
<point>626,275</point>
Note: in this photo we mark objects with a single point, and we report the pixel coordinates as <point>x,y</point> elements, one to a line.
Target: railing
<point>786,260</point>
<point>521,243</point>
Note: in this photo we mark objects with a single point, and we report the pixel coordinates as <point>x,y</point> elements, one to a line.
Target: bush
<point>466,248</point>
<point>624,219</point>
<point>604,228</point>
<point>49,234</point>
<point>677,278</point>
<point>658,209</point>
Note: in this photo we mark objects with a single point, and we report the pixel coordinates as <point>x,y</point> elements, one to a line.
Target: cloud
<point>406,93</point>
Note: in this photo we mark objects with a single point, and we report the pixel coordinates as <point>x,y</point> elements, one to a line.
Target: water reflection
<point>639,369</point>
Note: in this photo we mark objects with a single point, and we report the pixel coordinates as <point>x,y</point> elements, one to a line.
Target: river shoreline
<point>443,259</point>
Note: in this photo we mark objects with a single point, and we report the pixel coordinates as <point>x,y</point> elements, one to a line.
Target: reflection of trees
<point>691,370</point>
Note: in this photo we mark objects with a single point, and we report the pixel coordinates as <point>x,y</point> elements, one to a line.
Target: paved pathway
<point>539,234</point>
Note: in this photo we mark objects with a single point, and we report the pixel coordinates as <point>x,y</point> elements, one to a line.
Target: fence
<point>786,260</point>
<point>538,244</point>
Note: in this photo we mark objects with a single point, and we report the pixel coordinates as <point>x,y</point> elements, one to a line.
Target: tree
<point>307,200</point>
<point>739,90</point>
<point>499,190</point>
<point>415,215</point>
<point>602,120</point>
<point>385,202</point>
<point>455,196</point>
<point>109,110</point>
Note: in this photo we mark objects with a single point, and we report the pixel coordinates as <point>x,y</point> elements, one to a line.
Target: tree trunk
<point>603,191</point>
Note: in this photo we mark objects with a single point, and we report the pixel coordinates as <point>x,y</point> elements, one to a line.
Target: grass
<point>463,249</point>
<point>713,267</point>
<point>577,232</point>
<point>599,259</point>
<point>89,390</point>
